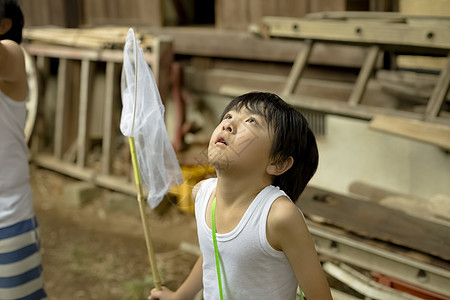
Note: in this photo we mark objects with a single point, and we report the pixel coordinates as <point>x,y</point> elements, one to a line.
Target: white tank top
<point>250,267</point>
<point>15,190</point>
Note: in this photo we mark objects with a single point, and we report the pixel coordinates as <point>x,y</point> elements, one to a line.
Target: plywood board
<point>431,133</point>
<point>371,220</point>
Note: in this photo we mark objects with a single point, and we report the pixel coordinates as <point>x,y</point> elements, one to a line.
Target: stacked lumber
<point>434,134</point>
<point>372,220</point>
<point>96,38</point>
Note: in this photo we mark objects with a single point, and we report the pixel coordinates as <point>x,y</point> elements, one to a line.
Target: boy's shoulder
<point>197,187</point>
<point>283,208</point>
<point>285,221</point>
<point>284,214</point>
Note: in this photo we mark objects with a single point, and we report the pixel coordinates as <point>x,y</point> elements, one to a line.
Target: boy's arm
<point>287,231</point>
<point>193,283</point>
<point>12,66</point>
<point>187,291</point>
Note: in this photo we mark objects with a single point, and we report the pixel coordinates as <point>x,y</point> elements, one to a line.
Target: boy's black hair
<point>11,9</point>
<point>292,137</point>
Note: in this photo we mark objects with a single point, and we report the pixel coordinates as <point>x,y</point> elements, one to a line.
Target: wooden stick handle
<point>145,225</point>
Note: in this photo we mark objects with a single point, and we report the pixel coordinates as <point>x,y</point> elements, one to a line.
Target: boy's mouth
<point>221,140</point>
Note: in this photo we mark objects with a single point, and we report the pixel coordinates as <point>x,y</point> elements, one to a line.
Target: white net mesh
<point>157,161</point>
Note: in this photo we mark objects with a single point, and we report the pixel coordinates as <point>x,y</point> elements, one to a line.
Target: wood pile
<point>384,216</point>
<point>96,38</point>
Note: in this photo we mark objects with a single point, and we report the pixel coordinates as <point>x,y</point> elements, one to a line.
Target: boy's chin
<point>220,165</point>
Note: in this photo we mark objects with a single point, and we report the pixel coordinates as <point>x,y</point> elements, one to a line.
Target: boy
<point>20,260</point>
<point>264,154</point>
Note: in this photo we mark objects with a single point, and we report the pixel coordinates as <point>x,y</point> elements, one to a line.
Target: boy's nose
<point>227,127</point>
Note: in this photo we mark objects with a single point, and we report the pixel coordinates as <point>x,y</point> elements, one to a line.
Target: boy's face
<point>241,142</point>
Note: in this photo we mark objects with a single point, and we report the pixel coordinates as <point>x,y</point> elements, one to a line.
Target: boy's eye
<point>251,120</point>
<point>227,117</point>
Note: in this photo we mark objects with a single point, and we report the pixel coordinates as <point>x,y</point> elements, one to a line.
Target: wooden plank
<point>286,8</point>
<point>83,119</point>
<point>217,81</point>
<point>408,78</point>
<point>72,13</point>
<point>324,5</point>
<point>56,12</point>
<point>363,284</point>
<point>370,192</point>
<point>94,12</point>
<point>299,66</point>
<point>60,108</point>
<point>439,92</point>
<point>435,134</point>
<point>408,86</point>
<point>108,128</point>
<point>80,54</point>
<point>394,253</point>
<point>231,14</point>
<point>120,184</point>
<point>418,208</point>
<point>63,167</point>
<point>364,32</point>
<point>214,80</point>
<point>374,221</point>
<point>424,7</point>
<point>152,12</point>
<point>364,75</point>
<point>343,109</point>
<point>163,58</point>
<point>244,45</point>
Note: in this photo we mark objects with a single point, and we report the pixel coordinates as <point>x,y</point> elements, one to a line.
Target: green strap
<point>216,251</point>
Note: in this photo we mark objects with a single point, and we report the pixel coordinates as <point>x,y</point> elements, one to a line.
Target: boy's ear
<point>5,25</point>
<point>278,168</point>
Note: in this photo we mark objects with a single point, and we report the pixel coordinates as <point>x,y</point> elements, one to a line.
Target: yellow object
<point>191,176</point>
<point>137,173</point>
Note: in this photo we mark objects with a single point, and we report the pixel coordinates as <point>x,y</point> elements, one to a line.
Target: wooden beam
<point>439,92</point>
<point>120,184</point>
<point>108,128</point>
<point>435,134</point>
<point>60,108</point>
<point>228,82</point>
<point>211,42</point>
<point>80,54</point>
<point>83,117</point>
<point>344,109</point>
<point>364,76</point>
<point>372,220</point>
<point>300,63</point>
<point>360,32</point>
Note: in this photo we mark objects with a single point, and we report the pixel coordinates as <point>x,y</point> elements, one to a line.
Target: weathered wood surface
<point>398,35</point>
<point>435,134</point>
<point>231,44</point>
<point>375,243</point>
<point>374,221</point>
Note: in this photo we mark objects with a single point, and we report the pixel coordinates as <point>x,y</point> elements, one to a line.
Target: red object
<point>406,287</point>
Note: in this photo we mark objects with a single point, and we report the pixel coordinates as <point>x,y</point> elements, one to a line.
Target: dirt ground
<point>98,252</point>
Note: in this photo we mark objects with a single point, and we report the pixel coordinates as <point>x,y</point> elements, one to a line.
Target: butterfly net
<point>143,119</point>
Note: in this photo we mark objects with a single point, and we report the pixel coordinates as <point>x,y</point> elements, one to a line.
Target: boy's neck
<point>236,190</point>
